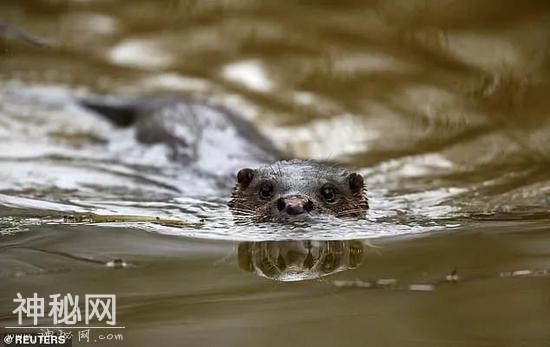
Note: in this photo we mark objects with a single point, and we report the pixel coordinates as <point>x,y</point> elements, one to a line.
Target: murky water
<point>442,106</point>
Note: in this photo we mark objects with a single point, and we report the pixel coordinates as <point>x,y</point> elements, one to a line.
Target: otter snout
<point>294,205</point>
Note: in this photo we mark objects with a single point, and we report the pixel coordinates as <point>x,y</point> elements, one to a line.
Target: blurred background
<point>442,105</point>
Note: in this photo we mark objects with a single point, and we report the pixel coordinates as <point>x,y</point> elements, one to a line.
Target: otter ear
<point>356,183</point>
<point>244,177</point>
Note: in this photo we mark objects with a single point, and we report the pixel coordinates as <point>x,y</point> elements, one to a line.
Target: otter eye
<point>266,190</point>
<point>328,192</point>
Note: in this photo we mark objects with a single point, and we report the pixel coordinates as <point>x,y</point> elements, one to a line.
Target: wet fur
<point>246,205</point>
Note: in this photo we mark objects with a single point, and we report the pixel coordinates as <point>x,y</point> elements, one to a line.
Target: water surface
<point>442,106</point>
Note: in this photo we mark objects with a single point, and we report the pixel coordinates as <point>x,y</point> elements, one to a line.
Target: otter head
<point>293,190</point>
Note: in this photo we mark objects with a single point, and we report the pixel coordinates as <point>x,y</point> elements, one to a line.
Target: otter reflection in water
<point>299,260</point>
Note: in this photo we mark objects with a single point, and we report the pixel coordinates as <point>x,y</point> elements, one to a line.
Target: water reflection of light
<point>140,53</point>
<point>175,81</point>
<point>249,73</point>
<point>342,135</point>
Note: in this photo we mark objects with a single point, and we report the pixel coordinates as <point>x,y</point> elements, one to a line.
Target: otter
<point>294,189</point>
<point>211,138</point>
<point>195,132</point>
<point>215,150</point>
<point>214,140</point>
<point>212,143</point>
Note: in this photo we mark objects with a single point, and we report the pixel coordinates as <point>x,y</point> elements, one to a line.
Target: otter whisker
<point>245,213</point>
<point>350,213</point>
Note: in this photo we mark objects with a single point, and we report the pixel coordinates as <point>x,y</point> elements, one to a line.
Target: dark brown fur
<point>304,179</point>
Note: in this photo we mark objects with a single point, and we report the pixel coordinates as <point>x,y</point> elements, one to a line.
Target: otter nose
<point>294,205</point>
